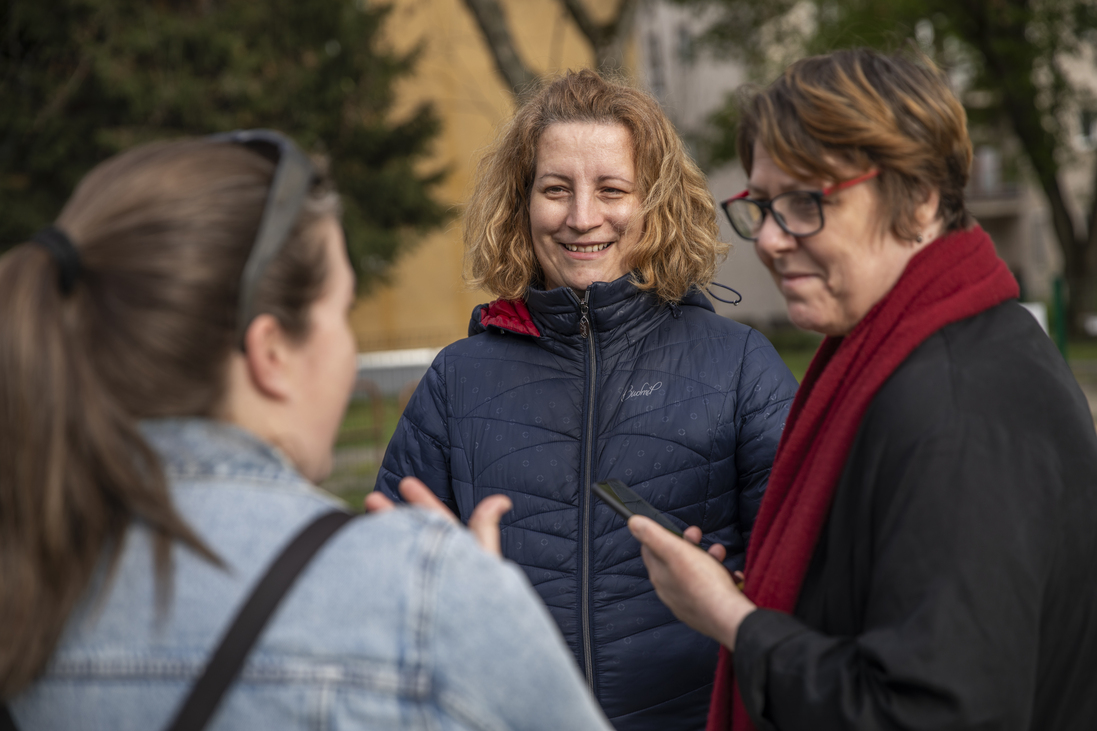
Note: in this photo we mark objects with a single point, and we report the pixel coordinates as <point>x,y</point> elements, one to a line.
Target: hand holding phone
<point>626,503</point>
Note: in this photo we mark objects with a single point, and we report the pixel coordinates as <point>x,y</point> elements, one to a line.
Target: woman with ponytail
<point>925,555</point>
<point>175,360</point>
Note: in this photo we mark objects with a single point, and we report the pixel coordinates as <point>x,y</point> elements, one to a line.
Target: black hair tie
<point>61,248</point>
<point>739,297</point>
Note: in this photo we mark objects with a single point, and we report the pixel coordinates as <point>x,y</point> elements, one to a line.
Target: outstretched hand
<point>484,522</point>
<point>695,586</point>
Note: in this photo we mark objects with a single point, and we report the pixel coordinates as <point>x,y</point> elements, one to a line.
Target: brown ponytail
<point>163,232</point>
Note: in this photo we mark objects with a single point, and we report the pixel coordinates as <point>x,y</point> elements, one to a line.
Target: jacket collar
<point>614,308</point>
<point>197,447</point>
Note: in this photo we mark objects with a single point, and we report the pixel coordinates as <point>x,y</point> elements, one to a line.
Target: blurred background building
<point>425,303</point>
<point>401,97</point>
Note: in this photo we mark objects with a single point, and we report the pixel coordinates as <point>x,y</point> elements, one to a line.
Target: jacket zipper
<point>585,332</point>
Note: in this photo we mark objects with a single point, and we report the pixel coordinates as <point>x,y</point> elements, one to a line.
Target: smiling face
<point>583,200</point>
<point>832,279</point>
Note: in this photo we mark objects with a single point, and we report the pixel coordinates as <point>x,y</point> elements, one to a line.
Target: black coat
<point>954,585</point>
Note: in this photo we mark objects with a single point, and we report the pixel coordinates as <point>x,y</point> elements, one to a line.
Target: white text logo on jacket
<point>645,390</point>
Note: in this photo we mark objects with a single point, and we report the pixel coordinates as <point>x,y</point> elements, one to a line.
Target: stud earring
<point>918,238</point>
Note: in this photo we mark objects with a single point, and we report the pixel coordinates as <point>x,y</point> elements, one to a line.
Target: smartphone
<point>627,503</point>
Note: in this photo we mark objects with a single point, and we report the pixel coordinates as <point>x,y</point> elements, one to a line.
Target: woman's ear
<point>925,215</point>
<point>268,354</point>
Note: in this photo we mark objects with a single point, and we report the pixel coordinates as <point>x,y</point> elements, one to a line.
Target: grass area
<point>369,422</point>
<point>1082,357</point>
<point>1084,350</point>
<point>796,348</point>
<point>368,426</point>
<point>365,432</point>
<point>797,361</point>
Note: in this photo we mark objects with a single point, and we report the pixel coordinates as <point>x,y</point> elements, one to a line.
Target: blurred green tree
<point>1007,57</point>
<point>83,79</point>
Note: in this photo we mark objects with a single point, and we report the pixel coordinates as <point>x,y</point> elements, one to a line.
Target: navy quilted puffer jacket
<point>681,404</point>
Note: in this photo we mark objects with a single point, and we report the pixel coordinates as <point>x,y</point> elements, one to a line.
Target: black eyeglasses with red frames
<point>294,176</point>
<point>797,212</point>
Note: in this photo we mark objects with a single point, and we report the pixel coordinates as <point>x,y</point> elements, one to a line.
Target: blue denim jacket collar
<point>192,447</point>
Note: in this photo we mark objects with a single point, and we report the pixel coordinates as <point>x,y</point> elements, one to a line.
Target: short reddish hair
<point>863,109</point>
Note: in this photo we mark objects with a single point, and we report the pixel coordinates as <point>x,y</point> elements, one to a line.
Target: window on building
<point>656,67</point>
<point>685,43</point>
<point>1088,128</point>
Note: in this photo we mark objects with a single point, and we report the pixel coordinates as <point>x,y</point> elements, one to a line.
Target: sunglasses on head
<point>294,175</point>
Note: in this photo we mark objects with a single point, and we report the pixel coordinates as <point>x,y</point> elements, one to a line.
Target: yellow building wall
<point>426,303</point>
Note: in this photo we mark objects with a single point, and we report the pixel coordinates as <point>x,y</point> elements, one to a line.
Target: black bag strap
<point>228,658</point>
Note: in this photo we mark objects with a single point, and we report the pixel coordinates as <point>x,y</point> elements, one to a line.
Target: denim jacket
<point>400,622</point>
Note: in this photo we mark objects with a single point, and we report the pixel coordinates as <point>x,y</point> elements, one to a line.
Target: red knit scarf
<point>955,277</point>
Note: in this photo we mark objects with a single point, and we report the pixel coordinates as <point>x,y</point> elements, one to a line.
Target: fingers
<point>377,503</point>
<point>484,522</point>
<point>654,536</point>
<point>693,535</point>
<point>697,589</point>
<point>416,493</point>
<point>654,550</point>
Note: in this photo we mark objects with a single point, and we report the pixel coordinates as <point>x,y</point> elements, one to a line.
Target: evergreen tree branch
<point>61,97</point>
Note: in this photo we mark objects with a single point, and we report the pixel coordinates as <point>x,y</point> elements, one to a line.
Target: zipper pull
<point>584,323</point>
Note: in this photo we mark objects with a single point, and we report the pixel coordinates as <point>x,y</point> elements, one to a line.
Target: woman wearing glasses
<point>925,554</point>
<point>175,360</point>
<point>601,359</point>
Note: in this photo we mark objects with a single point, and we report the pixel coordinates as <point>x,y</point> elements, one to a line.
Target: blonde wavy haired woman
<point>601,358</point>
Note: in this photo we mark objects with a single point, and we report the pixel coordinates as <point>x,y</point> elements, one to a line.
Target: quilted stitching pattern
<point>688,411</point>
